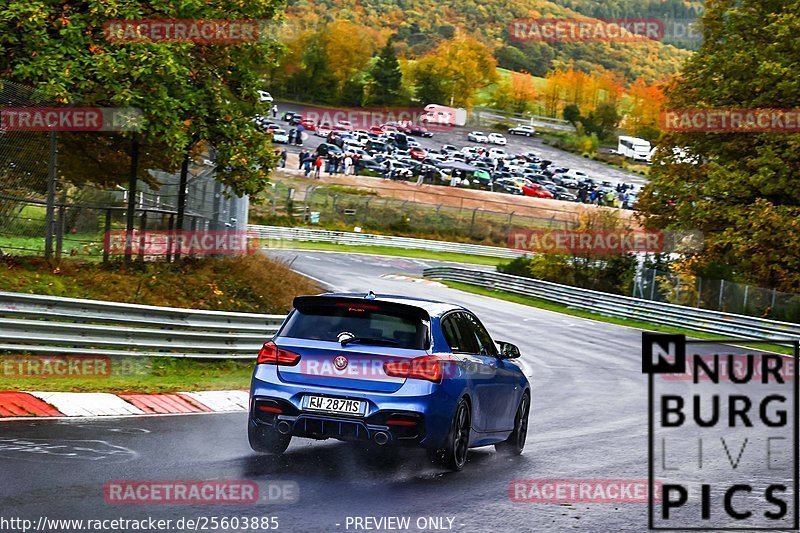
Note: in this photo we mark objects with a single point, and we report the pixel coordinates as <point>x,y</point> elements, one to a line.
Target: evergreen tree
<point>385,78</point>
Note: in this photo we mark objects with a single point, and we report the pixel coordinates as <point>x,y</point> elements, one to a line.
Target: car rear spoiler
<point>361,303</point>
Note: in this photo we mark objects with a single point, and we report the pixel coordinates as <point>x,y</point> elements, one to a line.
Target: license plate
<point>340,406</point>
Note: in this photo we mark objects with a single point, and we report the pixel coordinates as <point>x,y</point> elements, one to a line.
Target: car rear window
<point>333,323</point>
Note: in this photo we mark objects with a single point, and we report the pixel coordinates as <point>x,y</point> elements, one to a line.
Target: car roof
<point>432,307</point>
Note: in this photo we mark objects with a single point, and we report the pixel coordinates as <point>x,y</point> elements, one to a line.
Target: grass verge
<point>249,284</point>
<point>399,252</point>
<point>559,308</point>
<point>139,375</point>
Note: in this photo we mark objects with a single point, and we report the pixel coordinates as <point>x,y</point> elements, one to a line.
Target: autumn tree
<point>646,101</point>
<point>348,48</point>
<point>515,93</point>
<point>587,91</point>
<point>185,91</point>
<point>739,188</point>
<point>454,71</point>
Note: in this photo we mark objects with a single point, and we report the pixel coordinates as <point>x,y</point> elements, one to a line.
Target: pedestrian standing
<point>283,158</point>
<point>348,163</point>
<point>292,133</point>
<point>274,110</point>
<point>318,167</point>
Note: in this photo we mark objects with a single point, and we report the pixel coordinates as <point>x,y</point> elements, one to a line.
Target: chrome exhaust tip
<point>381,438</point>
<point>284,428</point>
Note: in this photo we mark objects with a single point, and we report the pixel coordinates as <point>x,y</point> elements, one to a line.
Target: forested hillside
<point>418,25</point>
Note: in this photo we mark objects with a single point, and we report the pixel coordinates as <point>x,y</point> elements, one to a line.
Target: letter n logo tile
<point>663,353</point>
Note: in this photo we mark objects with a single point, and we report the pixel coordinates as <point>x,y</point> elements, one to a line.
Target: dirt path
<point>458,197</point>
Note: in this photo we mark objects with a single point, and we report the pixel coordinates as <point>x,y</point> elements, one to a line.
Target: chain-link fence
<point>320,206</point>
<point>717,295</point>
<point>80,216</point>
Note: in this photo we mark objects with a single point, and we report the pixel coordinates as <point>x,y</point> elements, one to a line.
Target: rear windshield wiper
<point>368,340</point>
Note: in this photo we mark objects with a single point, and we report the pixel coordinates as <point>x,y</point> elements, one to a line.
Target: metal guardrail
<point>53,325</point>
<point>485,115</point>
<point>623,306</point>
<point>280,233</point>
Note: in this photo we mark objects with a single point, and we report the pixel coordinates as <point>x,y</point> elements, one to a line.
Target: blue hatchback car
<point>388,370</point>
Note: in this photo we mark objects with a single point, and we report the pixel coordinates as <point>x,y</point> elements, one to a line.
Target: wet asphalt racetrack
<point>589,421</point>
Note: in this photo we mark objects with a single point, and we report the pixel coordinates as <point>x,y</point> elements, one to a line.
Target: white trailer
<point>634,148</point>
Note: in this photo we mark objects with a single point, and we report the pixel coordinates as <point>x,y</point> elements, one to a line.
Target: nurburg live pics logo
<point>723,446</point>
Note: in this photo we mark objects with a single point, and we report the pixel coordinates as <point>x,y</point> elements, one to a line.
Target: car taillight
<point>401,422</point>
<point>427,367</point>
<point>270,354</point>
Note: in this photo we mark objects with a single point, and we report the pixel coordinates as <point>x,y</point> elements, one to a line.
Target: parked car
<point>496,138</point>
<point>477,137</point>
<point>481,179</point>
<point>577,174</point>
<point>507,186</point>
<point>562,193</point>
<point>527,131</point>
<point>325,149</point>
<point>447,149</point>
<point>345,125</point>
<point>372,165</point>
<point>280,136</point>
<point>264,96</point>
<point>419,131</point>
<point>308,124</point>
<point>323,130</point>
<point>537,191</point>
<point>376,146</point>
<point>418,153</point>
<point>497,153</point>
<point>288,115</point>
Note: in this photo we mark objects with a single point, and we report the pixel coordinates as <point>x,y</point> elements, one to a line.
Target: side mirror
<point>508,350</point>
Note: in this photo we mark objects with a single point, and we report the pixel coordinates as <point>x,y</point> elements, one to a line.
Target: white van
<point>442,115</point>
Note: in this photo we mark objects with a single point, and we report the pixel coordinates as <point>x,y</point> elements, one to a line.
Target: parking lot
<point>457,136</point>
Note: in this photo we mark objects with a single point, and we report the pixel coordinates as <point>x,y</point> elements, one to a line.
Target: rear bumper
<point>383,427</point>
<point>427,404</point>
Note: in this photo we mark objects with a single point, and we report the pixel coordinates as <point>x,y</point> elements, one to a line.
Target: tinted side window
<point>469,342</point>
<point>487,346</point>
<point>451,333</point>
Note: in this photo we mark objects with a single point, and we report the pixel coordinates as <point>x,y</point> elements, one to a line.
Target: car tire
<point>268,441</point>
<point>454,454</point>
<point>515,442</point>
